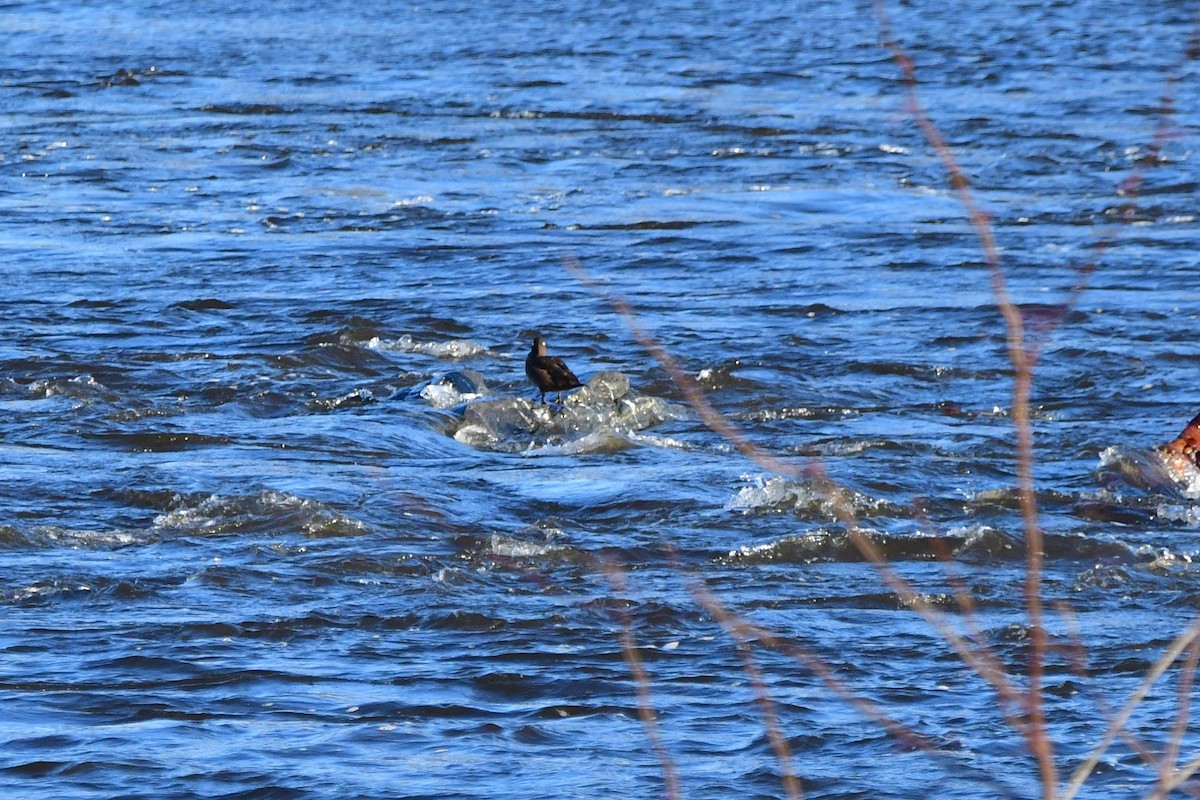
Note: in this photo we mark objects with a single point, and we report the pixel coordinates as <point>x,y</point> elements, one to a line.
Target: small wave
<point>164,442</point>
<point>820,545</point>
<point>799,412</point>
<point>205,304</point>
<point>984,541</point>
<point>145,412</point>
<point>453,349</point>
<point>970,543</point>
<point>509,547</point>
<point>46,592</point>
<point>595,442</point>
<point>774,493</point>
<point>268,510</point>
<point>443,395</point>
<point>1105,576</point>
<point>82,388</point>
<point>1164,560</point>
<point>1009,497</point>
<point>1188,515</point>
<point>450,389</point>
<point>651,225</point>
<point>839,546</point>
<point>651,440</point>
<point>723,377</point>
<point>244,109</point>
<point>355,331</point>
<point>354,399</point>
<point>335,355</point>
<point>54,536</point>
<point>1122,467</point>
<point>854,447</point>
<point>771,493</point>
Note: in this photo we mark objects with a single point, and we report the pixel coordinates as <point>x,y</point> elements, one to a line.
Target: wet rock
<point>598,417</point>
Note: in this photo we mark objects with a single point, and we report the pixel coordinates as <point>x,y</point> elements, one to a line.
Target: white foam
<point>409,202</point>
<point>1162,558</point>
<point>475,436</point>
<point>666,442</point>
<point>1188,515</point>
<point>218,514</point>
<point>802,545</point>
<point>751,550</point>
<point>772,492</point>
<point>452,349</point>
<point>594,442</point>
<point>327,524</point>
<point>443,396</point>
<point>1153,470</point>
<point>30,592</point>
<point>507,547</point>
<point>1188,482</point>
<point>1109,456</point>
<point>74,537</point>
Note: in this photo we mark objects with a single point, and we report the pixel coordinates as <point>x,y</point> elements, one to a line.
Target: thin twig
<point>783,751</point>
<point>692,392</point>
<point>1077,656</point>
<point>867,708</point>
<point>1184,774</point>
<point>1181,643</point>
<point>981,660</point>
<point>1170,760</point>
<point>641,679</point>
<point>1035,731</point>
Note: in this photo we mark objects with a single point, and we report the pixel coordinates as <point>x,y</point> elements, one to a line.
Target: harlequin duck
<point>1183,454</point>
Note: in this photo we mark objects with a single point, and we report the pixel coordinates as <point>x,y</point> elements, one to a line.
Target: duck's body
<point>1183,454</point>
<point>548,373</point>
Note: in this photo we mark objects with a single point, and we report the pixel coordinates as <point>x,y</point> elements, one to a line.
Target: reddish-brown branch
<point>1024,354</point>
<point>783,750</point>
<point>1117,724</point>
<point>1169,764</point>
<point>979,659</point>
<point>869,709</point>
<point>641,679</point>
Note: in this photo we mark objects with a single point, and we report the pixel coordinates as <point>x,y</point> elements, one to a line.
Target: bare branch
<point>867,708</point>
<point>641,679</point>
<point>1039,742</point>
<point>1181,643</point>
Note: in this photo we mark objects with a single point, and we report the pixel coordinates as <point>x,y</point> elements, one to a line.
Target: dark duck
<point>548,373</point>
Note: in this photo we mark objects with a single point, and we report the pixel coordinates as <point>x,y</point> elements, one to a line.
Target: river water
<point>279,520</point>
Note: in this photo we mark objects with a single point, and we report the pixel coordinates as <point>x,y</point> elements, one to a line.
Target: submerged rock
<point>450,389</point>
<point>598,417</point>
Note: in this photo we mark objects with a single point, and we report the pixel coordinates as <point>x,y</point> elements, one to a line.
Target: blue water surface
<point>279,519</point>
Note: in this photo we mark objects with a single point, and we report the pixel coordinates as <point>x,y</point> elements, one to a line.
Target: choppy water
<point>275,524</point>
